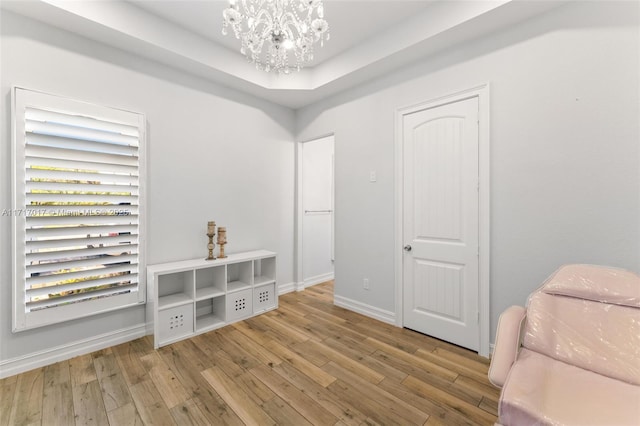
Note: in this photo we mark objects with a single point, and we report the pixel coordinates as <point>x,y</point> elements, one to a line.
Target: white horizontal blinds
<point>81,202</point>
<point>77,208</point>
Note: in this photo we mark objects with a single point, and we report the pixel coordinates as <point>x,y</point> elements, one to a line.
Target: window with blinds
<point>77,208</point>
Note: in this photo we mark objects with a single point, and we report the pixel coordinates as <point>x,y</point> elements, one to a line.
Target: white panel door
<point>440,223</point>
<point>317,203</point>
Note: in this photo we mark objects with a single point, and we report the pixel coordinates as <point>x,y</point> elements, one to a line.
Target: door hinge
<point>478,316</point>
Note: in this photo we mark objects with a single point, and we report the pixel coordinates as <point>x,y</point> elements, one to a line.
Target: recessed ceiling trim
<point>133,29</point>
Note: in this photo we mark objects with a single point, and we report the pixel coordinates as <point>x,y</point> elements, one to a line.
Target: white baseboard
<point>28,362</point>
<point>308,282</point>
<point>286,288</point>
<point>364,309</point>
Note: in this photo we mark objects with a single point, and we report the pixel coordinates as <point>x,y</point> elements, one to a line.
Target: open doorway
<point>315,197</point>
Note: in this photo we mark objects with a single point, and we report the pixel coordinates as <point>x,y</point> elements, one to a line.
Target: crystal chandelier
<point>277,34</point>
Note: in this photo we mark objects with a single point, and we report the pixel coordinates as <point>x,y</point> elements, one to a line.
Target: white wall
<point>214,154</point>
<point>565,158</point>
<point>317,182</point>
<point>564,149</point>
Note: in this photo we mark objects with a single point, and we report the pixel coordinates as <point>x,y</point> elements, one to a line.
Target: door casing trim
<point>484,222</point>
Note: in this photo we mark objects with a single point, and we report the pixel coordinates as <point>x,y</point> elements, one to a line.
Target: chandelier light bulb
<point>277,35</point>
<point>288,44</point>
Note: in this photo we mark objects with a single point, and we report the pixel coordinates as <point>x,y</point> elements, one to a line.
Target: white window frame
<point>24,318</point>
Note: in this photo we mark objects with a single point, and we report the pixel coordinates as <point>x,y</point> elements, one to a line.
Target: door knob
<point>407,248</point>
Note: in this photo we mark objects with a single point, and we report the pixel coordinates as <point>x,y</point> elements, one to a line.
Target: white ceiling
<point>350,22</point>
<point>369,38</point>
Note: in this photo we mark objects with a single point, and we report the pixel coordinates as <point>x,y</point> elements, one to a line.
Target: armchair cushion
<point>597,283</point>
<point>542,390</point>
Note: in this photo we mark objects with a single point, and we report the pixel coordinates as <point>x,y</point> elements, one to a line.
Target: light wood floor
<point>308,362</point>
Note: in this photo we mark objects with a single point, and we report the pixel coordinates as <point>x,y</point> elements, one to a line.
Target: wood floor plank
<point>361,354</point>
<point>115,391</point>
<point>9,380</point>
<point>305,405</point>
<point>128,356</point>
<point>489,405</point>
<point>450,347</point>
<point>278,325</point>
<point>350,317</point>
<point>290,315</point>
<point>188,413</point>
<point>57,374</point>
<point>270,333</point>
<point>412,368</point>
<point>57,398</point>
<point>252,332</point>
<point>237,352</point>
<point>301,326</point>
<point>184,360</point>
<point>150,405</point>
<point>330,402</point>
<point>477,371</point>
<point>322,310</point>
<point>381,335</point>
<point>253,387</point>
<point>336,328</point>
<point>210,342</point>
<point>483,387</point>
<point>387,405</point>
<point>88,405</point>
<point>432,408</point>
<point>417,362</point>
<point>250,412</point>
<point>313,372</point>
<point>27,403</point>
<point>283,414</point>
<point>361,370</point>
<point>126,415</point>
<point>310,353</point>
<point>82,370</point>
<point>316,331</point>
<point>7,394</point>
<point>292,304</point>
<point>170,388</point>
<point>318,292</point>
<point>471,364</point>
<point>325,290</point>
<point>259,352</point>
<point>431,392</point>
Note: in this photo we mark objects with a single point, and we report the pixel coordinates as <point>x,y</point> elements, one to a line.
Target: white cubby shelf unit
<point>190,297</point>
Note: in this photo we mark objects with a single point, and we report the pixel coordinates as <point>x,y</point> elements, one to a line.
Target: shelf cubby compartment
<point>264,298</point>
<point>210,313</point>
<point>239,276</point>
<point>175,289</point>
<point>175,323</point>
<point>239,305</point>
<point>210,282</point>
<point>264,270</point>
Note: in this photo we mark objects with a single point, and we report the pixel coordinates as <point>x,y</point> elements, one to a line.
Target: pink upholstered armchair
<point>572,357</point>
